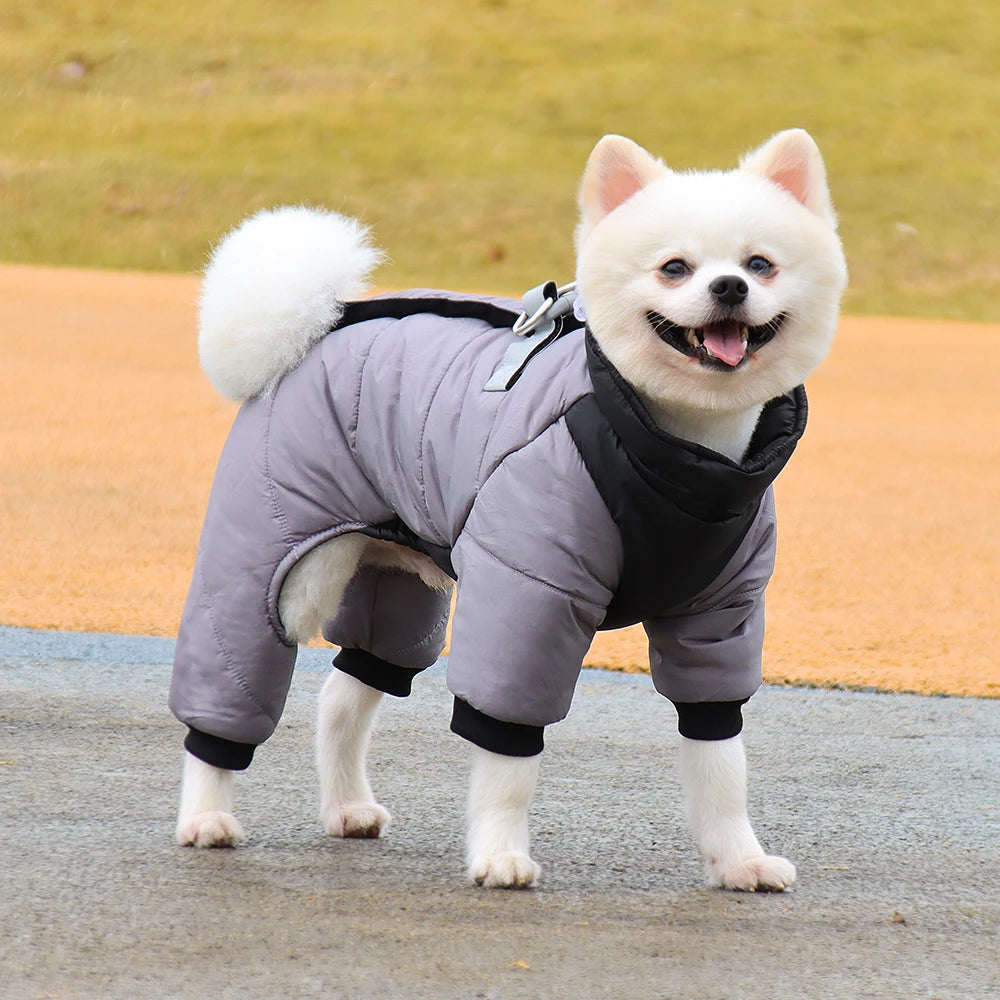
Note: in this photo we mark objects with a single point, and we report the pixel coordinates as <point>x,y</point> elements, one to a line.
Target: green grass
<point>459,129</point>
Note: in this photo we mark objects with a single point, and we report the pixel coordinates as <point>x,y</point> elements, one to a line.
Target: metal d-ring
<point>525,324</point>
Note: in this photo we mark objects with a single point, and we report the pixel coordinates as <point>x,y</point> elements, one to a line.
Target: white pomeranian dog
<point>603,458</point>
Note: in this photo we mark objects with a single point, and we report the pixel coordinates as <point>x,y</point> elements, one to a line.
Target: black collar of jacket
<point>706,484</point>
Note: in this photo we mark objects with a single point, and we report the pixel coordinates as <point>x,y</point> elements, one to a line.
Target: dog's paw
<point>505,870</point>
<point>765,873</point>
<point>362,820</point>
<point>209,829</point>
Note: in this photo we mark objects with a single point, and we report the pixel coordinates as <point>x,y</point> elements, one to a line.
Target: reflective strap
<point>517,356</point>
<point>539,324</point>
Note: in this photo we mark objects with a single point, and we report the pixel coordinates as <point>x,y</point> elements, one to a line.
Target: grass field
<point>133,135</point>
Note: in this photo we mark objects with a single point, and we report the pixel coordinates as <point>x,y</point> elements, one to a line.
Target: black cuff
<point>512,739</point>
<point>376,673</point>
<point>219,752</point>
<point>710,720</point>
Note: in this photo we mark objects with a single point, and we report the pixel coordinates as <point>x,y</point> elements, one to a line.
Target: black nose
<point>729,289</point>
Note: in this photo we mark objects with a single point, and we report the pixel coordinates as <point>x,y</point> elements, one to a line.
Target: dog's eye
<point>676,268</point>
<point>759,265</point>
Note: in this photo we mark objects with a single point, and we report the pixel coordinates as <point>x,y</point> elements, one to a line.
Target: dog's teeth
<point>692,337</point>
<point>744,335</point>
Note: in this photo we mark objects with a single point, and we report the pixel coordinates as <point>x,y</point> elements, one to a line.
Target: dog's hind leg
<point>714,780</point>
<point>311,594</point>
<point>390,626</point>
<point>497,843</point>
<point>347,713</point>
<point>310,598</point>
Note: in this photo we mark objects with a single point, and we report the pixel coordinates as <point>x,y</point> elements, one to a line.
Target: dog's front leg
<point>500,793</point>
<point>714,780</point>
<point>208,801</point>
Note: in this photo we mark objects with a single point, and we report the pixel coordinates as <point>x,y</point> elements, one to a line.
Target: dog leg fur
<point>500,793</point>
<point>207,803</point>
<point>347,713</point>
<point>714,780</point>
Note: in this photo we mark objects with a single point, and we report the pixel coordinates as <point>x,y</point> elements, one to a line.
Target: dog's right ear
<point>617,168</point>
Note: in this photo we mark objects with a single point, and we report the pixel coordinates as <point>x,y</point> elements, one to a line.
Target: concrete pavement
<point>888,804</point>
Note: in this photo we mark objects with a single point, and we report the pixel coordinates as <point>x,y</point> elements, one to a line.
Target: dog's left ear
<point>616,169</point>
<point>791,159</point>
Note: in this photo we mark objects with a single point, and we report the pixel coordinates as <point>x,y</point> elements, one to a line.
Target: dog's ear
<point>617,168</point>
<point>791,159</point>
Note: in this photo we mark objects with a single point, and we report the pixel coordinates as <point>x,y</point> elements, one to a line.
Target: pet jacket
<point>558,505</point>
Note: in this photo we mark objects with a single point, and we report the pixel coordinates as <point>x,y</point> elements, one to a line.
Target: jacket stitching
<point>352,431</point>
<point>748,592</point>
<point>534,579</point>
<point>231,668</point>
<point>503,456</point>
<point>423,429</point>
<point>272,492</point>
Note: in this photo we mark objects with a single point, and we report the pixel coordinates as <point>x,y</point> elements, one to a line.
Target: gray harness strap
<point>543,321</point>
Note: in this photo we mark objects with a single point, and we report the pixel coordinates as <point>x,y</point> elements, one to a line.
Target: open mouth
<point>721,346</point>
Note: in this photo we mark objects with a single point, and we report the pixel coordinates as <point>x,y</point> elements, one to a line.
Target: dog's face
<point>714,291</point>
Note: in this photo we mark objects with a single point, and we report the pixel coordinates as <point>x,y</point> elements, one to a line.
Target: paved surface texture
<point>889,558</point>
<point>889,805</point>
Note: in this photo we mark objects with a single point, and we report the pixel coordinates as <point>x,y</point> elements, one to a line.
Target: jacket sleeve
<point>537,561</point>
<point>709,650</point>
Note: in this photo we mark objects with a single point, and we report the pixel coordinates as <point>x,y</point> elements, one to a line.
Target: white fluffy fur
<point>278,283</point>
<point>274,286</point>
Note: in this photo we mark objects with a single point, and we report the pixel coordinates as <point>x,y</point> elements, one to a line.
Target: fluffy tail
<point>274,286</point>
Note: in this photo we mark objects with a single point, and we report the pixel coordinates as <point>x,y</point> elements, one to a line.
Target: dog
<point>607,464</point>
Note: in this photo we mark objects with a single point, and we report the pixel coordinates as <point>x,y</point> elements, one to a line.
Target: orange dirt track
<point>889,513</point>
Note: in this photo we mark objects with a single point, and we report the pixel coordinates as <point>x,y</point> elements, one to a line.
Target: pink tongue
<point>725,342</point>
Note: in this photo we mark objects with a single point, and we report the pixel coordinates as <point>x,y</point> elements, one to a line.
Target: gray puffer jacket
<point>558,505</point>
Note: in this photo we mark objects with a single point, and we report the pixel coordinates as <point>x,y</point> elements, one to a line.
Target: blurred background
<point>132,136</point>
